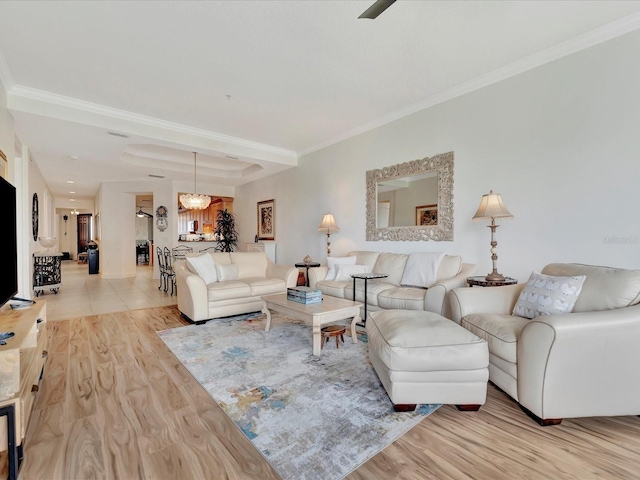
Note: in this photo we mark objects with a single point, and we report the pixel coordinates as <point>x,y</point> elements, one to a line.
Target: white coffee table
<point>330,310</point>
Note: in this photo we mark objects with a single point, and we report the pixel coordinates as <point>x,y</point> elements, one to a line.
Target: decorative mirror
<point>411,201</point>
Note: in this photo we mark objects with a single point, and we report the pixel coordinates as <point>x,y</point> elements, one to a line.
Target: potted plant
<point>225,231</point>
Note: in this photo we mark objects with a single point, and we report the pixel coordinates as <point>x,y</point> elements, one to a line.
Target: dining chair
<point>180,251</point>
<point>208,249</point>
<point>170,274</point>
<point>161,268</point>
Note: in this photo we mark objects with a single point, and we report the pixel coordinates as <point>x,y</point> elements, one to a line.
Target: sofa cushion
<point>250,264</point>
<point>604,288</point>
<point>227,290</point>
<point>333,288</point>
<point>333,262</point>
<point>500,331</point>
<point>227,272</point>
<point>421,269</point>
<point>450,266</point>
<point>403,298</point>
<point>265,285</point>
<point>548,295</point>
<point>374,287</point>
<point>203,266</point>
<point>365,258</point>
<point>393,265</point>
<point>344,272</point>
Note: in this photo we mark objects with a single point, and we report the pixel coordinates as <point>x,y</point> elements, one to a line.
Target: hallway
<point>82,294</point>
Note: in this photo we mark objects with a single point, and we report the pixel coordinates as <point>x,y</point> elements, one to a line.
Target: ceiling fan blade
<point>377,8</point>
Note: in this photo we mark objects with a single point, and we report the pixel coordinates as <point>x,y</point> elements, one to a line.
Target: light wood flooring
<point>116,404</point>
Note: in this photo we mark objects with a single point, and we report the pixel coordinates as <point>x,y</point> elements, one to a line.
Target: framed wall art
<point>427,215</point>
<point>267,220</point>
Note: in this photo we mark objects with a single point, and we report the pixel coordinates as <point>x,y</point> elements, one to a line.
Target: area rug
<point>312,418</point>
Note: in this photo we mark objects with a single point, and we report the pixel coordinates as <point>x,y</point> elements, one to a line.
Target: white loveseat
<point>387,293</point>
<point>579,364</point>
<point>256,276</point>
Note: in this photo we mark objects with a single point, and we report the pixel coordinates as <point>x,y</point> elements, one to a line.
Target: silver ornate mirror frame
<point>441,163</point>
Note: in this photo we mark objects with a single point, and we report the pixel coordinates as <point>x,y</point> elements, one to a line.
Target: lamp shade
<point>328,224</point>
<point>140,213</point>
<point>491,206</point>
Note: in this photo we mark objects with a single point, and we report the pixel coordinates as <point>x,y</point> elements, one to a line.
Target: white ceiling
<point>300,75</point>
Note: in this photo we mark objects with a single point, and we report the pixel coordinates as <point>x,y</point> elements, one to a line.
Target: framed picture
<point>267,220</point>
<point>427,215</point>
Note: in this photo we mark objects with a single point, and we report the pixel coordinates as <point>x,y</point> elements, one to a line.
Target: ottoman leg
<point>405,407</point>
<point>468,408</point>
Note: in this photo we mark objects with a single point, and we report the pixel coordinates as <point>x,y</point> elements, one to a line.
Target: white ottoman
<point>422,357</point>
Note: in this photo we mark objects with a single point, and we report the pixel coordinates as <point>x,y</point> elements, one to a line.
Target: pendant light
<point>194,201</point>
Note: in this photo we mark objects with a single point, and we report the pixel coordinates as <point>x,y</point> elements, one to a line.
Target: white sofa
<point>387,293</point>
<point>579,364</point>
<point>257,276</point>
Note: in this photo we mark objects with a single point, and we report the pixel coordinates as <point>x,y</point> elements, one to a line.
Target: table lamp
<point>329,226</point>
<point>491,207</point>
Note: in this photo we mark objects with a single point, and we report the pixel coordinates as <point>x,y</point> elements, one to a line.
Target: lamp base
<point>494,277</point>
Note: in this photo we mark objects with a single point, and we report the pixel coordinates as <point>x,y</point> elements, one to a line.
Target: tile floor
<point>83,294</point>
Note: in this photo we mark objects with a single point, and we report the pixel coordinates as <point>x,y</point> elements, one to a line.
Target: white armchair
<point>580,364</point>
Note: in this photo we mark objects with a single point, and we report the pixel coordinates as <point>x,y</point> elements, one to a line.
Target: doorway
<point>84,231</point>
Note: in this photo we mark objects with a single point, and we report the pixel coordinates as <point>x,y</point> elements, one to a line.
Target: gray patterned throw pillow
<point>548,295</point>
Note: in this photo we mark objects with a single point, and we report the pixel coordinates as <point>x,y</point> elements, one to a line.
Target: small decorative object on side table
<point>481,281</point>
<point>365,277</point>
<point>307,265</point>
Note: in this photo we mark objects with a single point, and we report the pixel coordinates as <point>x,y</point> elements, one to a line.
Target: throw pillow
<point>548,295</point>
<point>204,267</point>
<point>344,272</point>
<point>421,269</point>
<point>227,272</point>
<point>332,262</point>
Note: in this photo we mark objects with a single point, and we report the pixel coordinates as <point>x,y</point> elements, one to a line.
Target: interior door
<point>84,231</point>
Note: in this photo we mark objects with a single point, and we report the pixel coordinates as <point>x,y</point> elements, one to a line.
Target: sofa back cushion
<point>250,264</point>
<point>450,266</point>
<point>365,258</point>
<point>605,288</point>
<point>393,265</point>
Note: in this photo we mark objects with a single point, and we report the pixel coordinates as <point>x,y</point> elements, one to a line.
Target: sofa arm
<point>193,299</point>
<point>316,274</point>
<point>498,300</point>
<point>286,273</point>
<point>581,364</point>
<point>435,299</point>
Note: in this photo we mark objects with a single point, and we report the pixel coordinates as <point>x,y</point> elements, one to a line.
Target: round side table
<point>480,281</point>
<point>307,266</point>
<point>332,331</point>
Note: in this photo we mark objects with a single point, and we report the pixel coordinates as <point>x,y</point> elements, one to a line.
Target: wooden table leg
<point>354,335</point>
<point>317,337</point>
<point>266,311</point>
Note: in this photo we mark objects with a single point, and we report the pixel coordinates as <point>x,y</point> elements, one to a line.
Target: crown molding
<point>599,35</point>
<point>43,101</point>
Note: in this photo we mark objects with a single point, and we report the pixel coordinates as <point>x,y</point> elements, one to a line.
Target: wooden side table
<point>480,281</point>
<point>307,266</point>
<point>333,331</point>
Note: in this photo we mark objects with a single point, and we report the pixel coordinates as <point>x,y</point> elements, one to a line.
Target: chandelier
<point>194,201</point>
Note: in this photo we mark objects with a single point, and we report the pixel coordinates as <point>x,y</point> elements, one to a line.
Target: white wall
<point>560,143</point>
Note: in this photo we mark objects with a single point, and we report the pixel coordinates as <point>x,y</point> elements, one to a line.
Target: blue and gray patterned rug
<point>310,417</point>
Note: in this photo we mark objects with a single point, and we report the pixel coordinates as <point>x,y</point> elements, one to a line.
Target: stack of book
<point>304,295</point>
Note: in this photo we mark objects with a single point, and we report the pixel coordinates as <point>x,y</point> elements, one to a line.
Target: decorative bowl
<point>48,242</point>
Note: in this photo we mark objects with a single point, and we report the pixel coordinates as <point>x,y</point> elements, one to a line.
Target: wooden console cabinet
<point>22,360</point>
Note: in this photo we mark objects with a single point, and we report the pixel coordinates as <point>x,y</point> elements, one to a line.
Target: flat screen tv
<point>9,273</point>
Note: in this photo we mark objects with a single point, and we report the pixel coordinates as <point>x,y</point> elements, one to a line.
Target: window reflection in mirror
<point>199,225</point>
<point>399,197</point>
